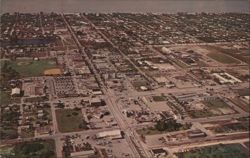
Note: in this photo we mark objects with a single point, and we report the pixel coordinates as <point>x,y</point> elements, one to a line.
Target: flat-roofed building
<point>16,92</point>
<point>114,134</point>
<point>159,152</point>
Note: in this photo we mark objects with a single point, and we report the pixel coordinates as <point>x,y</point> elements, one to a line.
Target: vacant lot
<point>223,58</point>
<point>217,151</point>
<point>70,120</point>
<point>28,67</point>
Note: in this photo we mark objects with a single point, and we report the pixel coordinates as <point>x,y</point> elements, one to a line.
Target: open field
<point>217,151</point>
<point>242,55</point>
<point>70,120</point>
<point>36,149</point>
<point>28,67</point>
<point>223,58</point>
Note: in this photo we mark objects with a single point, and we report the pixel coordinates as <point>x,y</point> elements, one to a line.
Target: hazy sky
<point>166,6</point>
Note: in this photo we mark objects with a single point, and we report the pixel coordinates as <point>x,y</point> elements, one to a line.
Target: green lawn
<point>28,67</point>
<point>217,151</point>
<point>223,58</point>
<point>70,120</point>
<point>34,149</point>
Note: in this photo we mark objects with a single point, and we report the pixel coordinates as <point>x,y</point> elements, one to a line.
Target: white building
<point>15,92</point>
<point>159,152</point>
<point>114,134</point>
<point>226,78</point>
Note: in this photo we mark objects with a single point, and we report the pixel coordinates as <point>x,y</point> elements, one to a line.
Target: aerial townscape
<point>124,85</point>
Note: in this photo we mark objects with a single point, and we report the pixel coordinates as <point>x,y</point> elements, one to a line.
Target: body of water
<point>142,6</point>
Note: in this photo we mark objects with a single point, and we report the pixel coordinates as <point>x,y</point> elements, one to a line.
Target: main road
<point>109,99</point>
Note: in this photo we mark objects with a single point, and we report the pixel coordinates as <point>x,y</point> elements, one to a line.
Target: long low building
<point>114,134</point>
<point>226,78</point>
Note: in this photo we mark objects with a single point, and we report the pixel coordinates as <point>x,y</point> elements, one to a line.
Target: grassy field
<point>5,97</point>
<point>70,120</point>
<point>217,151</point>
<point>28,67</point>
<point>35,149</point>
<point>223,58</point>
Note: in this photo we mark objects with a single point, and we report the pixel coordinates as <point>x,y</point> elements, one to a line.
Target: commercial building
<point>159,152</point>
<point>16,92</point>
<point>226,78</point>
<point>115,134</point>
